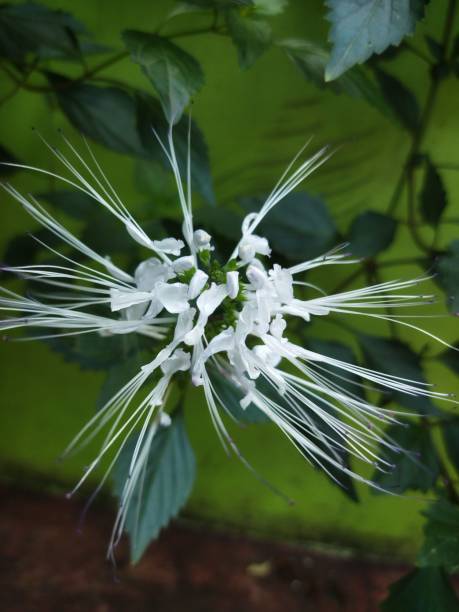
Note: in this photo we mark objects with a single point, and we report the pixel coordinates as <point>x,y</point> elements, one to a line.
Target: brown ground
<point>45,566</point>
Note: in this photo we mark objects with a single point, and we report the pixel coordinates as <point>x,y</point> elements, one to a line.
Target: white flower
<point>218,322</point>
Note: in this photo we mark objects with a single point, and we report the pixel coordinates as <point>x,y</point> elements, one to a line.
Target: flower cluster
<point>208,317</point>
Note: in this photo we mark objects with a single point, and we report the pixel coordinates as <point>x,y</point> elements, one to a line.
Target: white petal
<point>232,284</point>
<point>183,263</point>
<point>178,361</point>
<point>171,246</point>
<point>201,239</point>
<point>123,299</point>
<point>150,271</point>
<point>283,283</point>
<point>278,325</point>
<point>210,299</point>
<point>173,296</point>
<point>197,284</point>
<point>138,235</point>
<point>256,277</point>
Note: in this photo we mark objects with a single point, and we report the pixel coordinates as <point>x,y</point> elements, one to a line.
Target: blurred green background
<point>254,122</point>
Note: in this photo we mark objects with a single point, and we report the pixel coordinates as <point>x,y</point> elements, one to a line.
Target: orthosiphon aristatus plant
<point>216,323</point>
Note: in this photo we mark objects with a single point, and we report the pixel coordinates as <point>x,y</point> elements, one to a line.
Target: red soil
<point>45,566</point>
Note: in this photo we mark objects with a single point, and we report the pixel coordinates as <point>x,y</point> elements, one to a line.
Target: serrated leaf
<point>397,359</point>
<point>167,482</point>
<point>361,28</point>
<point>424,589</point>
<point>416,467</point>
<point>401,100</point>
<point>433,198</point>
<point>252,37</point>
<point>311,60</point>
<point>175,74</point>
<point>105,114</point>
<point>447,267</point>
<point>30,27</point>
<point>299,228</point>
<point>370,233</point>
<point>150,115</point>
<point>230,397</point>
<point>441,537</point>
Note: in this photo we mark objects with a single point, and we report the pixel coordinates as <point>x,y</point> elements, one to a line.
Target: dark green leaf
<point>23,250</point>
<point>435,48</point>
<point>349,382</point>
<point>102,231</point>
<point>211,4</point>
<point>94,352</point>
<point>397,359</point>
<point>448,276</point>
<point>424,589</point>
<point>416,466</point>
<point>312,59</point>
<point>450,432</point>
<point>441,536</point>
<point>149,115</point>
<point>371,232</point>
<point>105,114</point>
<point>230,397</point>
<point>7,157</point>
<point>165,487</point>
<point>29,27</point>
<point>251,37</point>
<point>119,375</point>
<point>174,73</point>
<point>402,101</point>
<point>433,198</point>
<point>363,27</point>
<point>450,358</point>
<point>299,228</point>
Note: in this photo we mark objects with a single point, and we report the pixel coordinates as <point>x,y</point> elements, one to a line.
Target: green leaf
<point>102,231</point>
<point>270,7</point>
<point>370,233</point>
<point>230,397</point>
<point>397,359</point>
<point>311,60</point>
<point>363,27</point>
<point>450,358</point>
<point>450,432</point>
<point>174,73</point>
<point>150,115</point>
<point>435,48</point>
<point>416,467</point>
<point>94,352</point>
<point>29,27</point>
<point>251,37</point>
<point>424,589</point>
<point>167,482</point>
<point>433,197</point>
<point>299,228</point>
<point>447,267</point>
<point>118,375</point>
<point>105,114</point>
<point>23,250</point>
<point>441,537</point>
<point>349,382</point>
<point>400,99</point>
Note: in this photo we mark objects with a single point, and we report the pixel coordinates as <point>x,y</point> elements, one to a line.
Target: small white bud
<point>197,284</point>
<point>256,277</point>
<point>202,240</point>
<point>232,284</point>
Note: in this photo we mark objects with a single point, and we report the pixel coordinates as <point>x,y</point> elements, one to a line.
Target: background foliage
<point>263,79</point>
